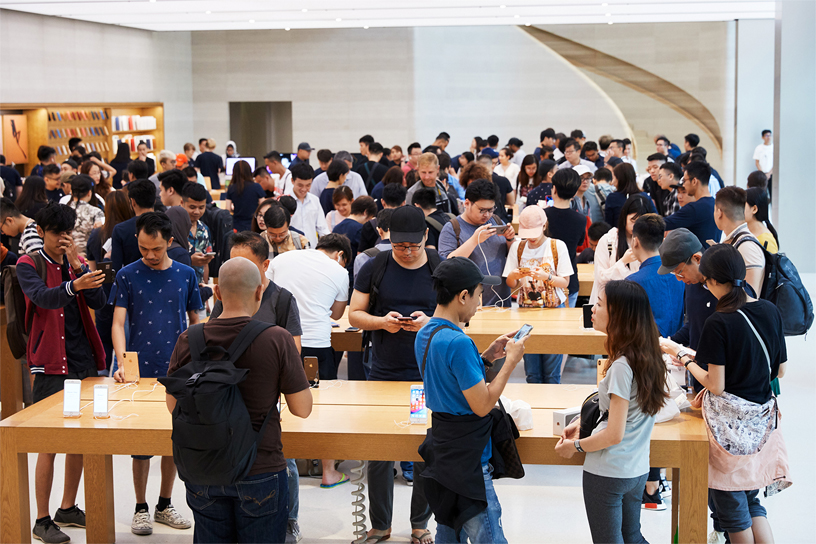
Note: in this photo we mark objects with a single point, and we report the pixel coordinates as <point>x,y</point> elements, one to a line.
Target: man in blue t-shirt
<point>460,399</point>
<point>159,297</point>
<point>478,239</point>
<point>696,216</point>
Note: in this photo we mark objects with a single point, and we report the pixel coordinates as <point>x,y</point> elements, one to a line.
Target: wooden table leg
<point>693,489</point>
<point>99,510</point>
<point>11,381</point>
<point>15,515</point>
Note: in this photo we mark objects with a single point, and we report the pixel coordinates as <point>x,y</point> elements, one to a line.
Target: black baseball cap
<point>458,273</point>
<point>305,146</point>
<point>676,249</point>
<point>407,225</point>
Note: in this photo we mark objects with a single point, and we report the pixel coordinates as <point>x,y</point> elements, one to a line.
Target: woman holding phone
<point>630,394</point>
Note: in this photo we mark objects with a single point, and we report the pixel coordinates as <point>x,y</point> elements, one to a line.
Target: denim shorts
<point>732,510</point>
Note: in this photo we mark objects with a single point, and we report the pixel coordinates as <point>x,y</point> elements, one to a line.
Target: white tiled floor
<point>546,506</point>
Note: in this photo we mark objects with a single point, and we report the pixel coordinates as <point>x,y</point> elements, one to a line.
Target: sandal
<point>418,539</point>
<point>342,480</point>
<point>374,539</point>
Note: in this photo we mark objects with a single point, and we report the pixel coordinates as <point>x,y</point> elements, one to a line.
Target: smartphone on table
<point>419,412</point>
<point>310,365</point>
<point>100,400</point>
<point>71,396</point>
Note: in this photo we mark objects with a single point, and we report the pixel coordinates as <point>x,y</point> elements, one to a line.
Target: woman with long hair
<point>92,169</point>
<point>32,198</point>
<point>243,196</point>
<point>528,177</point>
<point>120,163</point>
<point>258,224</point>
<point>392,175</point>
<point>613,257</point>
<point>625,179</point>
<point>342,199</point>
<point>631,394</point>
<point>89,214</point>
<point>741,349</point>
<point>543,191</point>
<point>756,215</point>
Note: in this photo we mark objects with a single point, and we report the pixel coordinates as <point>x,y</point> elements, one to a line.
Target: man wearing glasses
<point>393,298</point>
<point>474,234</point>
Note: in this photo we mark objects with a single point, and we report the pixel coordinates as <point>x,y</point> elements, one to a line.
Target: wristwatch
<point>683,353</point>
<point>577,444</point>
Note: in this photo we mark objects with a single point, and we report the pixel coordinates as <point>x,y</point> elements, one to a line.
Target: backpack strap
<point>195,336</point>
<point>428,346</point>
<point>746,237</point>
<point>380,263</point>
<point>554,250</point>
<point>282,307</point>
<point>247,335</point>
<point>372,252</point>
<point>761,342</point>
<point>433,259</point>
<point>521,247</point>
<point>434,223</point>
<point>457,230</point>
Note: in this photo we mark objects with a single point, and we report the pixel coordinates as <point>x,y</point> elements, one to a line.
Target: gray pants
<point>381,496</point>
<point>613,508</point>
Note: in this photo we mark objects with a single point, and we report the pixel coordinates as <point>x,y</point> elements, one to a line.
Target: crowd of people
<point>410,245</point>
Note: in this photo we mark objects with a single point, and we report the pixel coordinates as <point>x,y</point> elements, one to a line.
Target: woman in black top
<point>337,172</point>
<point>243,195</point>
<point>120,163</point>
<point>33,198</point>
<point>731,363</point>
<point>626,183</point>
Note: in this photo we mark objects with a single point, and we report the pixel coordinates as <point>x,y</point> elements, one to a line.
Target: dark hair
<point>342,192</point>
<point>364,205</point>
<point>376,148</point>
<point>545,166</point>
<point>443,136</point>
<point>52,169</point>
<point>273,156</point>
<point>661,137</point>
<point>481,189</point>
<point>261,204</point>
<point>174,179</point>
<point>472,171</point>
<point>72,142</point>
<point>122,153</point>
<point>492,140</point>
<point>673,169</point>
<point>289,202</point>
<point>190,172</point>
<point>393,175</point>
<point>597,229</point>
<point>336,169</point>
<point>756,196</point>
<point>302,171</point>
<point>71,162</point>
<point>155,223</point>
<point>699,170</point>
<point>604,141</point>
<point>138,169</point>
<point>194,191</point>
<point>627,179</point>
<point>384,219</point>
<point>45,152</point>
<point>656,157</point>
<point>324,155</point>
<point>202,141</point>
<point>425,198</point>
<point>444,296</point>
<point>8,209</point>
<point>722,262</point>
<point>81,185</point>
<point>414,145</point>
<point>523,179</point>
<point>143,193</point>
<point>180,226</point>
<point>589,145</point>
<point>649,230</point>
<point>546,133</point>
<point>758,179</point>
<point>241,176</point>
<point>618,142</point>
<point>731,200</point>
<point>367,139</point>
<point>445,162</point>
<point>260,171</point>
<point>335,242</point>
<point>56,218</point>
<point>572,143</point>
<point>577,133</point>
<point>276,217</point>
<point>632,333</point>
<point>393,195</point>
<point>698,154</point>
<point>766,131</point>
<point>566,182</point>
<point>33,193</point>
<point>117,209</point>
<point>603,174</point>
<point>252,241</point>
<point>636,204</point>
<point>692,139</point>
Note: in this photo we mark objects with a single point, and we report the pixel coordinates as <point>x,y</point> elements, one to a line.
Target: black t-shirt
<point>503,188</point>
<point>267,311</point>
<point>404,291</point>
<point>569,226</point>
<point>78,352</point>
<point>326,199</point>
<point>11,180</point>
<point>371,172</point>
<point>245,204</point>
<point>728,340</point>
<point>368,236</point>
<point>210,165</point>
<point>433,235</point>
<point>55,195</point>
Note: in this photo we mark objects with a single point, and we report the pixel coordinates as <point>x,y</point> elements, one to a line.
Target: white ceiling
<point>177,15</point>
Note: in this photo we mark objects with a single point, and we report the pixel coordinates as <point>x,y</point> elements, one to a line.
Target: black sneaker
<point>72,517</point>
<point>652,502</point>
<point>48,532</point>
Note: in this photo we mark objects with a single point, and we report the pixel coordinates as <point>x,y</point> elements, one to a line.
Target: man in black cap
<point>460,400</point>
<point>304,151</point>
<point>394,298</point>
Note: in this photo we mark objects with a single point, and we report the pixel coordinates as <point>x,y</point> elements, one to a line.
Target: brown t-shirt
<point>275,367</point>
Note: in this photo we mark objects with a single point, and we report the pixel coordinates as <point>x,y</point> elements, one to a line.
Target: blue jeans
<point>732,511</point>
<point>544,368</point>
<point>253,510</point>
<point>483,527</point>
<point>293,480</point>
<point>573,299</point>
<point>613,508</point>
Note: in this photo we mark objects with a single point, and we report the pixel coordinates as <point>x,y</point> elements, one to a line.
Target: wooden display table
<point>11,374</point>
<point>342,431</point>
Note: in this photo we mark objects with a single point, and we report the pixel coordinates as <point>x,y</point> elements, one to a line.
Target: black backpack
<point>19,324</point>
<point>214,442</point>
<point>783,287</point>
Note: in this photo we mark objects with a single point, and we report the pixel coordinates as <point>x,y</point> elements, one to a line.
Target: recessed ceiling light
<point>528,24</point>
<point>610,23</point>
<point>207,12</point>
<point>152,1</point>
<point>252,20</point>
<point>365,27</point>
<point>609,15</point>
<point>604,5</point>
<point>304,10</point>
<point>338,19</point>
<point>502,6</point>
<point>287,29</point>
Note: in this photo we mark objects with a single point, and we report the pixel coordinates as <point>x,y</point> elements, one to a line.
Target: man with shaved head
<point>275,368</point>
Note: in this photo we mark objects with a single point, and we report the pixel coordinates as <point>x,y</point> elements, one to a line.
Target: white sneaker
<point>141,524</point>
<point>293,535</point>
<point>170,516</point>
<point>716,537</point>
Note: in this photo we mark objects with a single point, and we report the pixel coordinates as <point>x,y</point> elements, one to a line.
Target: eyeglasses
<point>679,273</point>
<point>404,248</point>
<point>485,211</point>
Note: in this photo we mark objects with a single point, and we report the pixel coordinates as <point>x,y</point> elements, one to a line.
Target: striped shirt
<point>30,241</point>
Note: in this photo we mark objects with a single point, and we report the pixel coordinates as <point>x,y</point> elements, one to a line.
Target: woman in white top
<point>506,168</point>
<point>88,216</point>
<point>630,396</point>
<point>342,199</point>
<point>613,257</point>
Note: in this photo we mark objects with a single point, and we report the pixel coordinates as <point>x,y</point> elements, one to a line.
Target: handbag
<point>591,415</point>
<point>503,437</point>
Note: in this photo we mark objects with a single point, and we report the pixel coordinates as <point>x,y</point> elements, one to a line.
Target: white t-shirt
<point>764,154</point>
<point>67,198</point>
<point>607,265</point>
<point>538,257</point>
<point>317,282</point>
<point>511,173</point>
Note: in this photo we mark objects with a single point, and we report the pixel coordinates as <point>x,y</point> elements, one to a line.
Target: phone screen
<point>107,268</point>
<point>310,365</point>
<point>70,403</point>
<point>419,412</point>
<point>100,401</point>
<point>522,332</point>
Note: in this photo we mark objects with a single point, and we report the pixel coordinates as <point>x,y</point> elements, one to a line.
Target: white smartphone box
<point>71,396</point>
<point>419,412</point>
<point>100,401</point>
<point>562,419</point>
